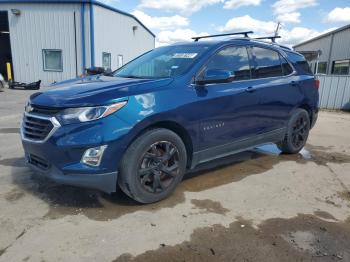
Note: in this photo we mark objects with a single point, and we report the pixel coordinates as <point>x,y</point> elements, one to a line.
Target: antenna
<point>196,38</point>
<point>277,28</point>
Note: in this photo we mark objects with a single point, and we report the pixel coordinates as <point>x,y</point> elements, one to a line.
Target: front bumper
<point>58,156</point>
<point>105,182</point>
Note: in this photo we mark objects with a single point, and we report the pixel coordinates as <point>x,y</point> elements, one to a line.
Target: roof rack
<point>196,38</point>
<point>272,38</point>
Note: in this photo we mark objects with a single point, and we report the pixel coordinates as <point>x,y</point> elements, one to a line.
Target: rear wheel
<point>297,132</point>
<point>153,165</point>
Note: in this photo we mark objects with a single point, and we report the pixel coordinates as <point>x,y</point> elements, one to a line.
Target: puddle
<point>209,206</point>
<point>302,238</point>
<point>10,130</point>
<point>65,200</point>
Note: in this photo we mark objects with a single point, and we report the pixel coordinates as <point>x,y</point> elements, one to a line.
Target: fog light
<point>93,156</point>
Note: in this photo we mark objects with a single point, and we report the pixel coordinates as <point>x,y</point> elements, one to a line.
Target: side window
<point>300,63</point>
<point>233,59</point>
<point>287,69</point>
<point>267,63</point>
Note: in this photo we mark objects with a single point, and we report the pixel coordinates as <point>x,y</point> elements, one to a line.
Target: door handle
<point>250,89</point>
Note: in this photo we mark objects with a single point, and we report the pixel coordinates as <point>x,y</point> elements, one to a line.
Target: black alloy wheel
<point>159,166</point>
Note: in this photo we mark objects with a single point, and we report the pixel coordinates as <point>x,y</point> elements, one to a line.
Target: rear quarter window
<point>300,63</point>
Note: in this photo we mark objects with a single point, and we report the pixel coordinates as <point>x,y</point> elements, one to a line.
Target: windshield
<point>162,62</point>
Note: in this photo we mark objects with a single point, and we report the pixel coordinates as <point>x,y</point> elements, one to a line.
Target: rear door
<point>277,87</point>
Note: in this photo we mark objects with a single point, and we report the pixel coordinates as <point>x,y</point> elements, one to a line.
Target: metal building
<point>333,49</point>
<point>55,40</point>
<point>329,57</point>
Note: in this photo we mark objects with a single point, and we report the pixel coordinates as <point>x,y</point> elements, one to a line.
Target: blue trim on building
<point>92,35</point>
<point>82,17</point>
<point>80,1</point>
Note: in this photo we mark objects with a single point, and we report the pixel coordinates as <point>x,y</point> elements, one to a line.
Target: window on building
<point>52,60</point>
<point>106,60</point>
<point>120,61</point>
<point>267,63</point>
<point>321,68</point>
<point>233,59</point>
<point>341,67</point>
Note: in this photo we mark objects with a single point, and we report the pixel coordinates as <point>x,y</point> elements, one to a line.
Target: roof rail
<point>272,38</point>
<point>196,38</point>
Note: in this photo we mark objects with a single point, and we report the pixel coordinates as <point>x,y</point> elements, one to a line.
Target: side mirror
<point>214,76</point>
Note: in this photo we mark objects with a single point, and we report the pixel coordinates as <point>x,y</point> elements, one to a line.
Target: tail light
<point>317,83</point>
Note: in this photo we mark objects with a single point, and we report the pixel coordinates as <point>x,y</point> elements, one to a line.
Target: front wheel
<point>153,165</point>
<point>297,132</point>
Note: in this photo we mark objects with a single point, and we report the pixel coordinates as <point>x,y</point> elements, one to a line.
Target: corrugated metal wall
<point>51,26</point>
<point>44,26</point>
<point>334,92</point>
<point>334,47</point>
<point>122,40</point>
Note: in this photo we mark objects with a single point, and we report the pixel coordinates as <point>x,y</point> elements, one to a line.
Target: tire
<point>152,166</point>
<point>298,129</point>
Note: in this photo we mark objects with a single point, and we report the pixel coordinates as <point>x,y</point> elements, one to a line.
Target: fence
<point>334,92</point>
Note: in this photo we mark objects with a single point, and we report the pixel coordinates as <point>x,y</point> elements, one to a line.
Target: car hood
<point>95,90</point>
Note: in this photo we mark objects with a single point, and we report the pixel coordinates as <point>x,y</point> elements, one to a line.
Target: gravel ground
<point>254,206</point>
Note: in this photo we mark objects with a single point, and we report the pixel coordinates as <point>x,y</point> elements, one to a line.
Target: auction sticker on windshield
<point>185,55</point>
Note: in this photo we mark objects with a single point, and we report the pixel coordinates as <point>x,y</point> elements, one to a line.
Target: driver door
<point>227,111</point>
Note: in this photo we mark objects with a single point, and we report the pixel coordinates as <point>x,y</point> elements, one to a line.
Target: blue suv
<point>143,126</point>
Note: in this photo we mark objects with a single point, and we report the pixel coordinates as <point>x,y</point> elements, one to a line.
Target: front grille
<point>38,162</point>
<point>36,128</point>
<point>45,110</point>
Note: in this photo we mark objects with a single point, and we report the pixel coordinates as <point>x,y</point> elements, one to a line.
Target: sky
<point>179,20</point>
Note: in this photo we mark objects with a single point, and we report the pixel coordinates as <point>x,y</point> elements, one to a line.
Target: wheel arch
<point>177,129</point>
<point>309,110</point>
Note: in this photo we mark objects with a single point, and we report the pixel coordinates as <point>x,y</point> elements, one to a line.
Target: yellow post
<point>9,71</point>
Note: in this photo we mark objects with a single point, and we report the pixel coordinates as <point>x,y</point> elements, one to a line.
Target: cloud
<point>339,15</point>
<point>290,36</point>
<point>233,4</point>
<point>289,17</point>
<point>179,35</point>
<point>183,6</point>
<point>290,6</point>
<point>297,35</point>
<point>247,23</point>
<point>163,22</point>
<point>286,10</point>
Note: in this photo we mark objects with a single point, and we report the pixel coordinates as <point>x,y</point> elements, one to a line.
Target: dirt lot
<point>255,206</point>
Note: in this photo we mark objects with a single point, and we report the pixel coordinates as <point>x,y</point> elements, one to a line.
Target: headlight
<point>86,114</point>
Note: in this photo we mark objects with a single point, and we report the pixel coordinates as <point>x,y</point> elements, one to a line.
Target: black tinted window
<point>233,59</point>
<point>300,63</point>
<point>267,63</point>
<point>287,69</point>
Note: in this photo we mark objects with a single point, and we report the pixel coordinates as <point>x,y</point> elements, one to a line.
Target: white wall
<point>121,39</point>
<point>51,26</point>
<point>43,26</point>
